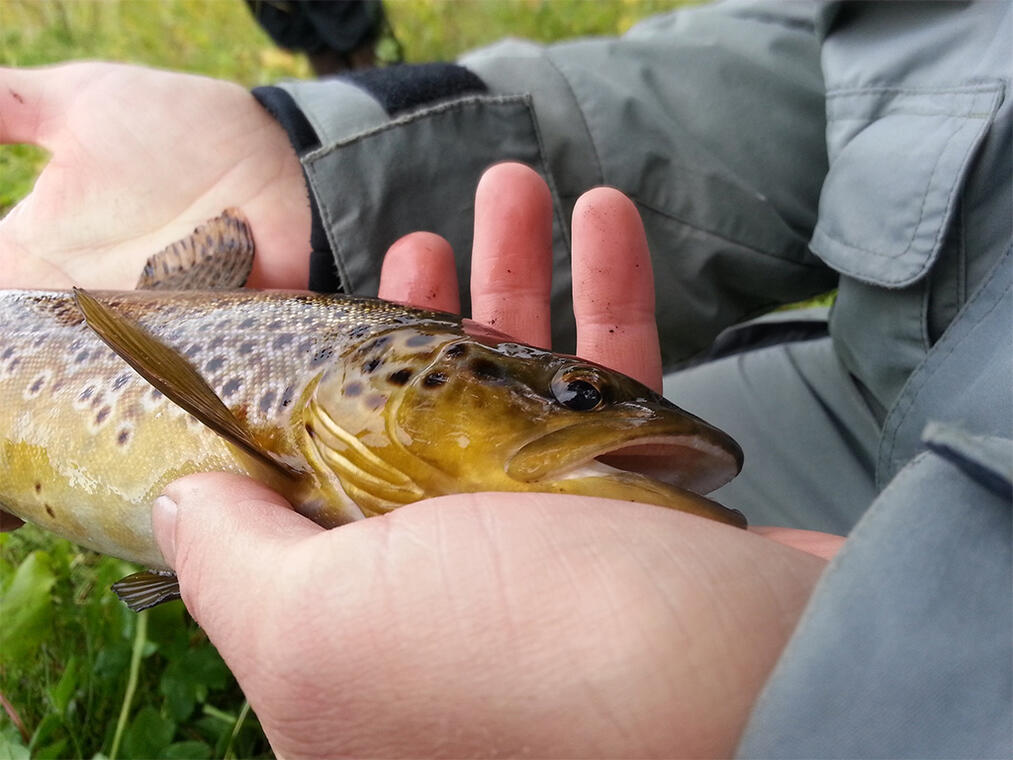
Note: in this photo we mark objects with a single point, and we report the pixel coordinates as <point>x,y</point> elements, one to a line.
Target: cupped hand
<point>139,158</point>
<point>495,623</point>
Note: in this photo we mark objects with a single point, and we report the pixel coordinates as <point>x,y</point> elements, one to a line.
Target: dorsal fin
<point>218,255</point>
<point>171,374</point>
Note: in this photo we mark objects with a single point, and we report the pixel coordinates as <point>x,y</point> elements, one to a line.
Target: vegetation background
<point>80,675</point>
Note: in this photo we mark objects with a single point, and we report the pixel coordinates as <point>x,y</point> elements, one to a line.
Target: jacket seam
<point>583,118</point>
<point>908,395</point>
<point>668,215</point>
<point>418,115</point>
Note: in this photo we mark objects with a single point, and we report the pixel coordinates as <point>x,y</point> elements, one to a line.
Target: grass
<point>80,675</point>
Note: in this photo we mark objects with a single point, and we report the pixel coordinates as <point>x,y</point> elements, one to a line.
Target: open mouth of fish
<point>692,462</point>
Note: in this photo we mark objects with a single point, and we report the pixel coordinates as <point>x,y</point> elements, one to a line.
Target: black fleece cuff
<point>323,274</point>
<point>397,89</point>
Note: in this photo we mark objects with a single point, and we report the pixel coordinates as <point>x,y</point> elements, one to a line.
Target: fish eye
<point>579,389</point>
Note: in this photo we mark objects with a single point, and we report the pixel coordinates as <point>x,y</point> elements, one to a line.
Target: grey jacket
<point>775,151</point>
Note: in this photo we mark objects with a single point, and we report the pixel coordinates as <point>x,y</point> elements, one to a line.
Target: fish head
<point>480,412</point>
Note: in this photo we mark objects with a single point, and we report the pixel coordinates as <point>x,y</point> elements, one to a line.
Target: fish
<point>348,406</point>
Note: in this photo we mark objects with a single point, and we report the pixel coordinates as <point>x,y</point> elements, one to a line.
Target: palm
<point>139,157</point>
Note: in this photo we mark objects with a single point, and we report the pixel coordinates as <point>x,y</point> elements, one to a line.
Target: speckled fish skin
<point>373,404</point>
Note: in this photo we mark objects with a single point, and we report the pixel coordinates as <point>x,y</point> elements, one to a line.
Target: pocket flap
<point>898,159</point>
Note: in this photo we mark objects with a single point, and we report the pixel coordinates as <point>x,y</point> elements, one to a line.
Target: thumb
<point>224,535</point>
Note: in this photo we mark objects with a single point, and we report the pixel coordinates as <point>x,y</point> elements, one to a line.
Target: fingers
<point>613,287</point>
<point>511,268</point>
<point>419,269</point>
<point>221,534</point>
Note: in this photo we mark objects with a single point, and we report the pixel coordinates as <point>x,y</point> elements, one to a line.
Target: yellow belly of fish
<point>96,489</point>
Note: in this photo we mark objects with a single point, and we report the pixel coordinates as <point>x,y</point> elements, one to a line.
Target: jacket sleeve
<point>677,114</point>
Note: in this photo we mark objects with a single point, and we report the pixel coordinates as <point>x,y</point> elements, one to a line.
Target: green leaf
<point>148,734</point>
<point>206,667</point>
<point>27,608</point>
<point>63,692</point>
<point>53,751</point>
<point>46,731</point>
<point>179,692</point>
<point>112,661</point>
<point>188,751</point>
<point>11,746</point>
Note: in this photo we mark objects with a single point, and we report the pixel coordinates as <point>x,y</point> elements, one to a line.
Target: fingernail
<point>163,524</point>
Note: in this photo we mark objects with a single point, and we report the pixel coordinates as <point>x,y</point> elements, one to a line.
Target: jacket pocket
<point>898,159</point>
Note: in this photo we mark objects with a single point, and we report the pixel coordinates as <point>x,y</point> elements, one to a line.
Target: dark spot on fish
<point>282,340</point>
<point>400,377</point>
<point>37,385</point>
<point>83,356</point>
<point>223,324</point>
<point>76,345</point>
<point>287,395</point>
<point>485,369</point>
<point>194,349</point>
<point>102,414</point>
<point>14,362</point>
<point>155,394</point>
<point>358,331</point>
<point>50,512</point>
<point>99,397</point>
<point>247,323</point>
<point>275,325</point>
<point>86,393</point>
<point>215,364</point>
<point>216,343</point>
<point>422,339</point>
<point>8,353</point>
<point>231,386</point>
<point>41,339</point>
<point>16,95</point>
<point>123,436</point>
<point>434,380</point>
<point>353,389</point>
<point>246,347</point>
<point>375,401</point>
<point>371,365</point>
<point>321,355</point>
<point>457,350</point>
<point>38,487</point>
<point>120,381</point>
<point>267,401</point>
<point>64,311</point>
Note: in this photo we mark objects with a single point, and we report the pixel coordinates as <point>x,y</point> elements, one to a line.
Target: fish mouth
<point>698,460</point>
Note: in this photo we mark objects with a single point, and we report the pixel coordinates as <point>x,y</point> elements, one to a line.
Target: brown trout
<point>350,407</point>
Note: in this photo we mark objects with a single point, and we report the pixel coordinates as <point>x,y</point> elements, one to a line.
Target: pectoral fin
<point>218,255</point>
<point>140,591</point>
<point>170,373</point>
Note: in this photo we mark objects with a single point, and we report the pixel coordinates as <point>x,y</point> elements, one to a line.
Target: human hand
<point>139,158</point>
<point>492,623</point>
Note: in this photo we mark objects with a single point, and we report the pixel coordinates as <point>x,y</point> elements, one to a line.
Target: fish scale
<point>62,389</point>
